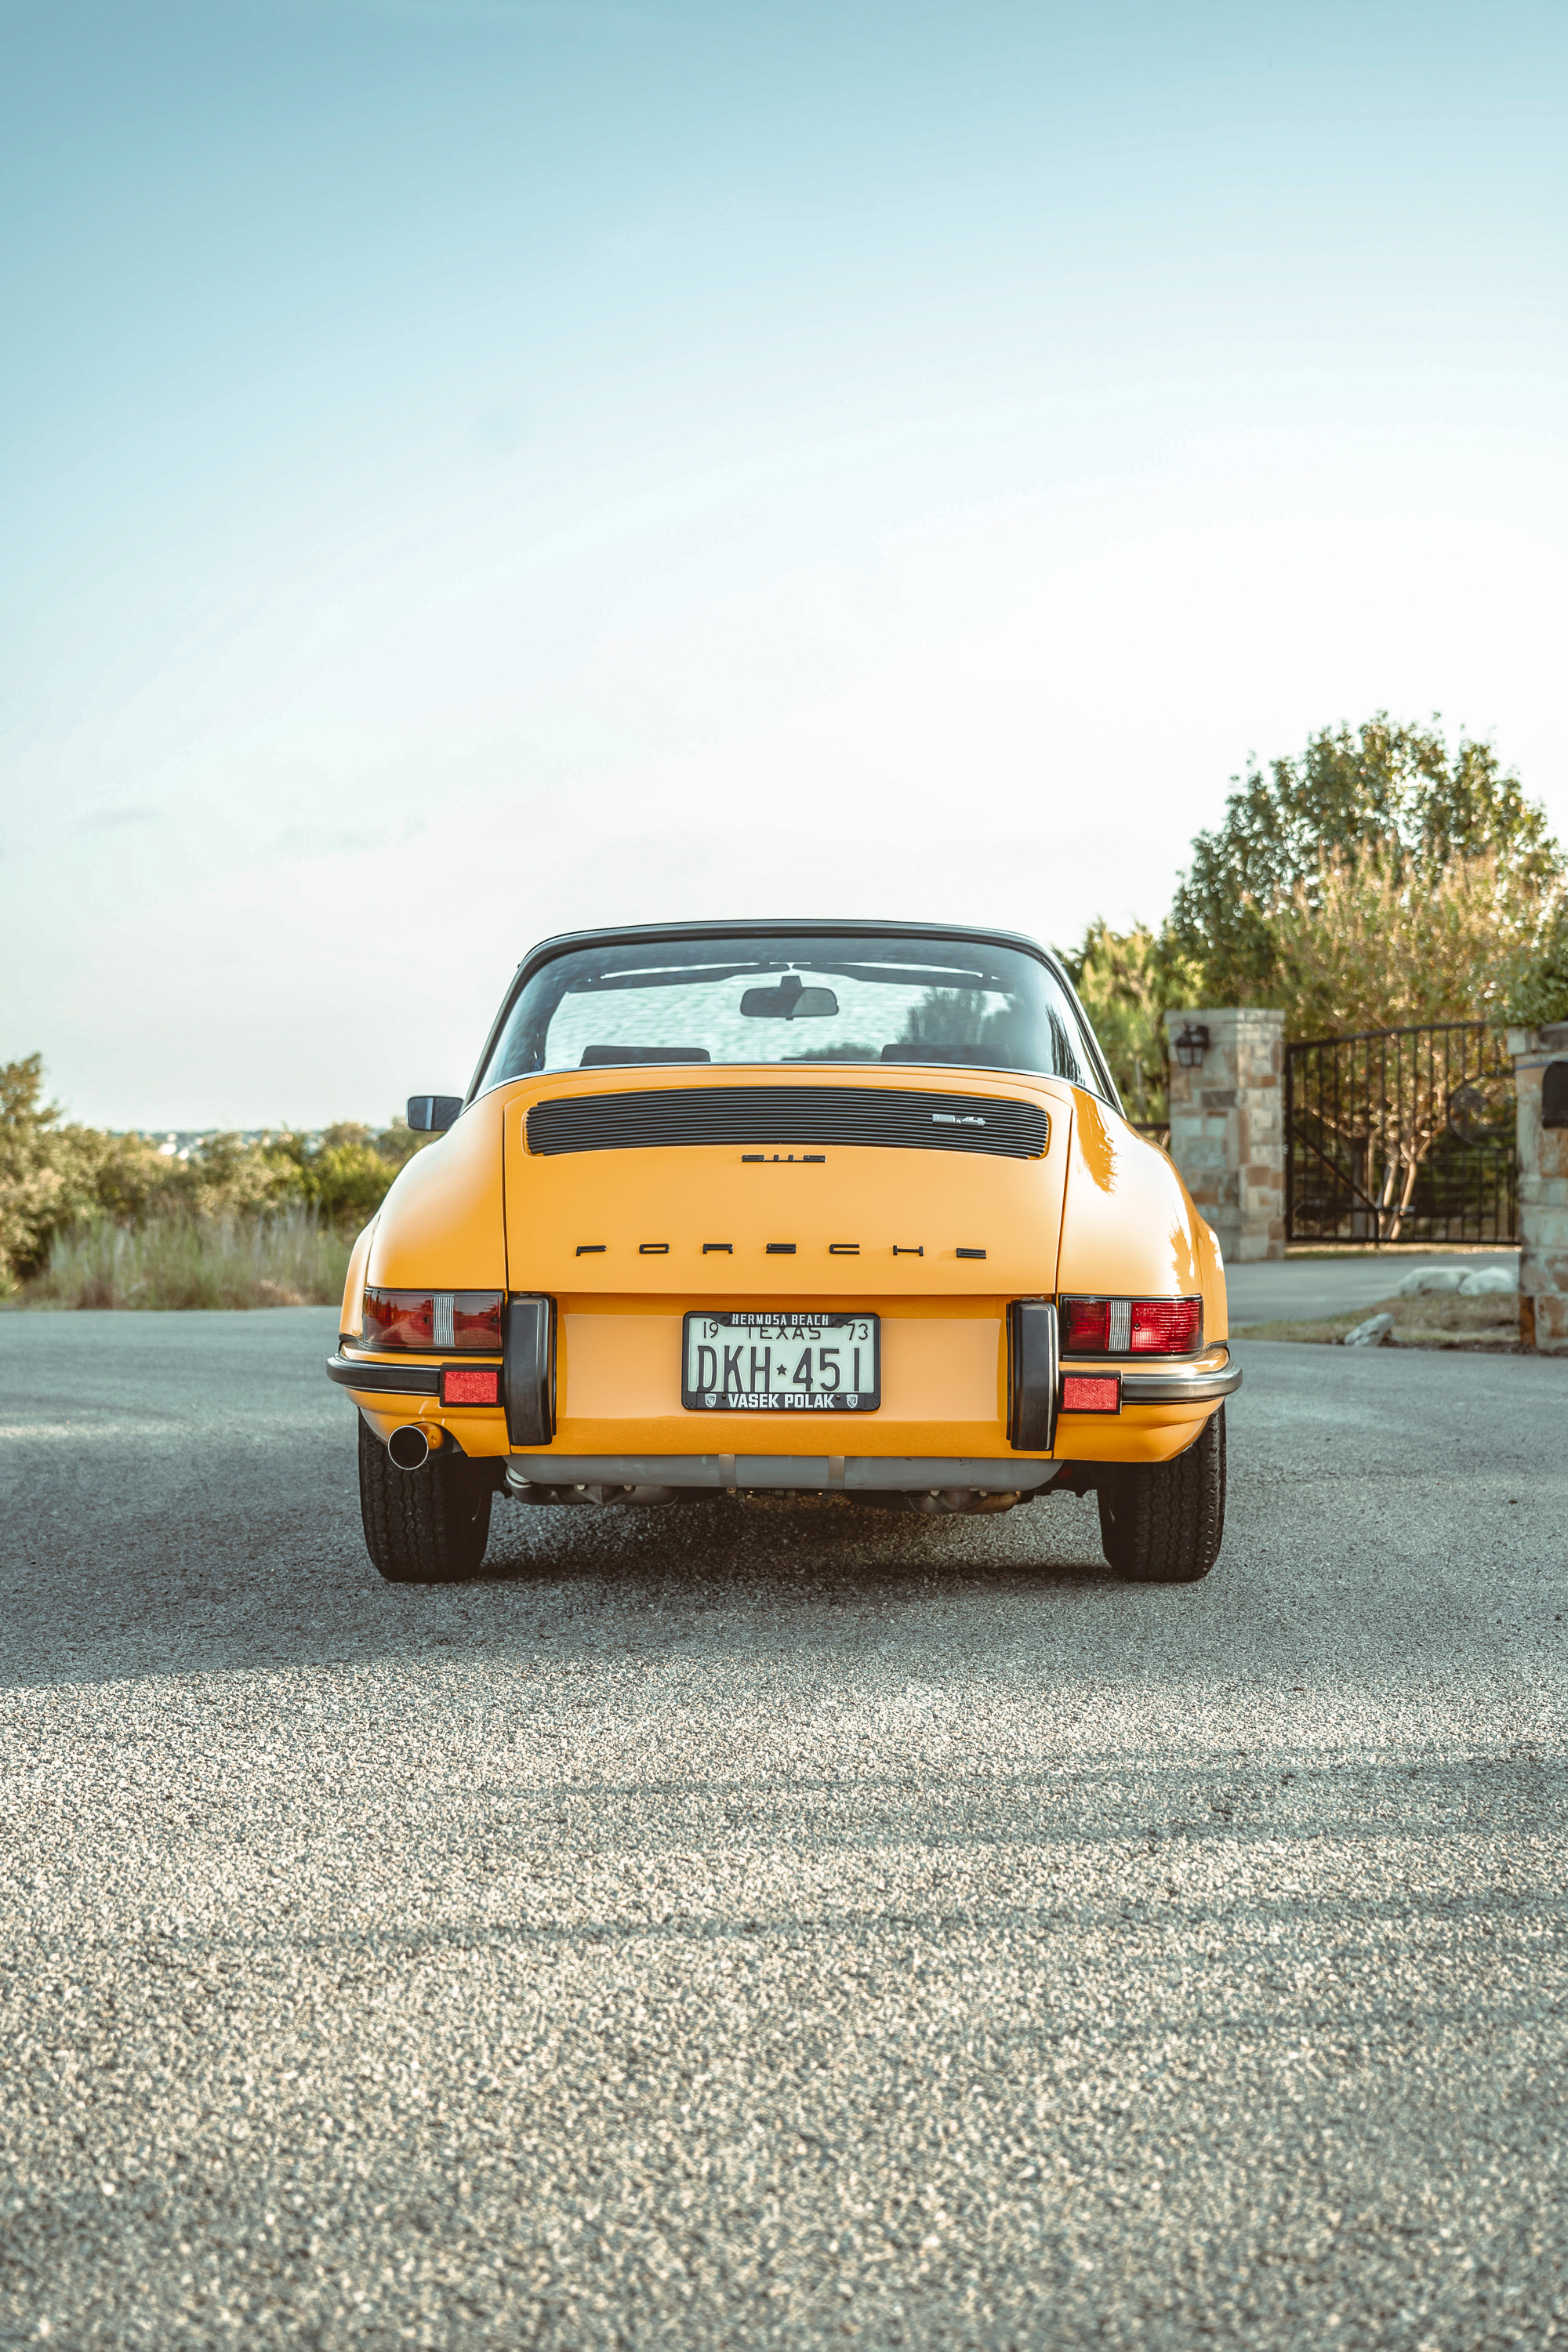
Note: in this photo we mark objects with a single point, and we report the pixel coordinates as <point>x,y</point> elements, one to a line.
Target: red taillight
<point>476,1319</point>
<point>1092,1392</point>
<point>1085,1327</point>
<point>398,1318</point>
<point>432,1320</point>
<point>1167,1327</point>
<point>1136,1327</point>
<point>470,1384</point>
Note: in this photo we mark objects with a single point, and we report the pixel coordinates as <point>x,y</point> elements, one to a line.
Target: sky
<point>471,470</point>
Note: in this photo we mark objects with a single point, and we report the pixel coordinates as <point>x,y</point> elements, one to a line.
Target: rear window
<point>794,998</point>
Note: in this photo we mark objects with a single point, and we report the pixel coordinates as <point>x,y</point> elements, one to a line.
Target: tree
<point>1126,980</point>
<point>1387,789</point>
<point>1535,976</point>
<point>51,1172</point>
<point>1373,944</point>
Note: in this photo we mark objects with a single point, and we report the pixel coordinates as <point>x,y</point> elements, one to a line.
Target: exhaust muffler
<point>409,1447</point>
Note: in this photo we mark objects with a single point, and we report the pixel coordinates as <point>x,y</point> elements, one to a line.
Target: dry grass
<point>288,1260</point>
<point>1438,1320</point>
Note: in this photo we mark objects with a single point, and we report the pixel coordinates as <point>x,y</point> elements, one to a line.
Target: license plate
<point>782,1363</point>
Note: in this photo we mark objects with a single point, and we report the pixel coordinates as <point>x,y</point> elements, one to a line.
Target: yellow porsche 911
<point>843,1208</point>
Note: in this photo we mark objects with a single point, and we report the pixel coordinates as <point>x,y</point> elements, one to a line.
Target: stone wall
<point>1542,1189</point>
<point>1228,1127</point>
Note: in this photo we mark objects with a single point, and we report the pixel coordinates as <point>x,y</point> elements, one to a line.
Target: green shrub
<point>346,1175</point>
<point>57,1179</point>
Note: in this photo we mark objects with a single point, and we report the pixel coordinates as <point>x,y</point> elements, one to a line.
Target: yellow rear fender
<point>1129,1226</point>
<point>443,1224</point>
<point>351,1319</point>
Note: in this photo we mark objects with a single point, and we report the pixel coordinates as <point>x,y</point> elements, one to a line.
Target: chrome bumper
<point>1203,1382</point>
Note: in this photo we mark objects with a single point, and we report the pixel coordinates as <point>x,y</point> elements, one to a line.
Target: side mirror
<point>433,1114</point>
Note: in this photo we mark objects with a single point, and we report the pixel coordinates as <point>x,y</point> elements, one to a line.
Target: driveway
<point>1293,1289</point>
<point>745,1925</point>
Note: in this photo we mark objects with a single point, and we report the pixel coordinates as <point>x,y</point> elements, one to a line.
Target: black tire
<point>423,1526</point>
<point>1163,1522</point>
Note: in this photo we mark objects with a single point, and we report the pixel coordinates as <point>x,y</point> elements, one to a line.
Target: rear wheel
<point>427,1525</point>
<point>1162,1521</point>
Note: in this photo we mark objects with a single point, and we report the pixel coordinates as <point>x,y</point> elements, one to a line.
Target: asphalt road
<point>752,1926</point>
<point>1283,1289</point>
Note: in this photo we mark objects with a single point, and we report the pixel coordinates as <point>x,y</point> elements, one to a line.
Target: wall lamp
<point>1192,1046</point>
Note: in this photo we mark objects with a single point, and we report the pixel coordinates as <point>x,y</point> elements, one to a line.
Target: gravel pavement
<point>750,1926</point>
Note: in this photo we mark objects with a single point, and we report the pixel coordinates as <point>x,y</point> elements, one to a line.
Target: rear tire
<point>428,1525</point>
<point>1163,1522</point>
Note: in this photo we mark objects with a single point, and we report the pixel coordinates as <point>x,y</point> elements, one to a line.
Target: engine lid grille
<point>898,1117</point>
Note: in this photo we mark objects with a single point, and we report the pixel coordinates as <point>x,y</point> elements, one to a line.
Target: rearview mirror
<point>433,1114</point>
<point>789,1001</point>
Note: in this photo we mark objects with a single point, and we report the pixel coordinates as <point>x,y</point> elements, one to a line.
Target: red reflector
<point>1167,1327</point>
<point>1092,1392</point>
<point>1087,1323</point>
<point>470,1384</point>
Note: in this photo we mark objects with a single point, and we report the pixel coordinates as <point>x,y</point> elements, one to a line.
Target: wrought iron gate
<point>1401,1135</point>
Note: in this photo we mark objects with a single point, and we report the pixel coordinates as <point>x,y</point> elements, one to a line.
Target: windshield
<point>793,998</point>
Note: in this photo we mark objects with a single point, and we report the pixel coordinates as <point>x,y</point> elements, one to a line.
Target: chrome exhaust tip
<point>409,1447</point>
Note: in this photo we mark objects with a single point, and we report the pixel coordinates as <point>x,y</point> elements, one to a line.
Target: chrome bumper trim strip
<point>1212,1377</point>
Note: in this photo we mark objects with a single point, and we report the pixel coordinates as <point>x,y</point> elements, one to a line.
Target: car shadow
<point>211,1595</point>
<point>777,1549</point>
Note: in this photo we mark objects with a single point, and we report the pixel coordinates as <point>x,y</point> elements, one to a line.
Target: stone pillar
<point>1228,1127</point>
<point>1541,1086</point>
